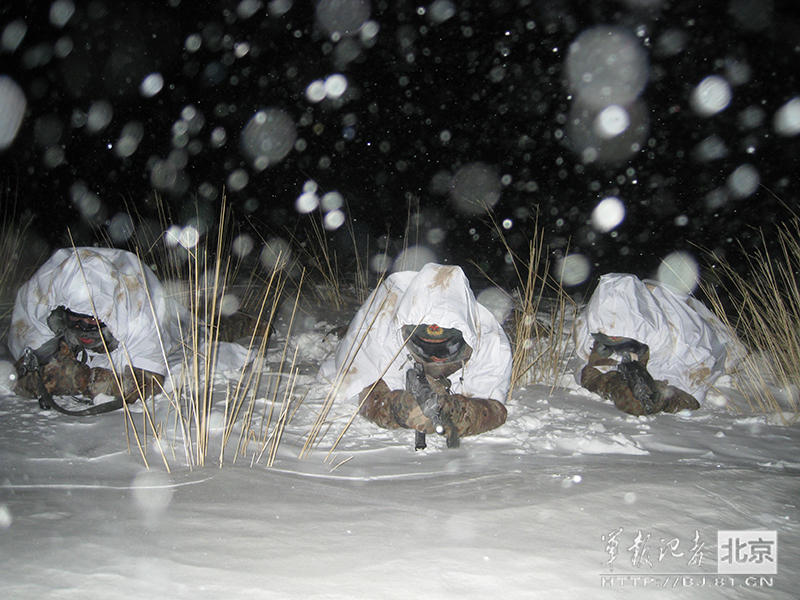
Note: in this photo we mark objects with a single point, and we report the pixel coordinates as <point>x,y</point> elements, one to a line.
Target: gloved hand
<point>471,416</point>
<point>63,375</point>
<point>103,381</point>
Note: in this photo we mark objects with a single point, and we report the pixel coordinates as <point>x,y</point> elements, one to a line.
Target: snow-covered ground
<point>570,499</point>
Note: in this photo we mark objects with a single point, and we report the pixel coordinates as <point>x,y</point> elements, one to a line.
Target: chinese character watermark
<point>745,552</point>
<point>697,551</point>
<point>750,551</point>
<point>611,541</point>
<point>643,552</point>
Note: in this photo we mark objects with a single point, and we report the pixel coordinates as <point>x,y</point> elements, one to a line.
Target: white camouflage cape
<point>373,346</point>
<point>689,347</point>
<point>127,296</point>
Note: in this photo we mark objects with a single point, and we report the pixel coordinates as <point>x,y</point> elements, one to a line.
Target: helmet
<point>431,343</point>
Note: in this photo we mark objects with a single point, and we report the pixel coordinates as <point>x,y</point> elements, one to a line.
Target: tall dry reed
<point>763,309</point>
<point>540,340</point>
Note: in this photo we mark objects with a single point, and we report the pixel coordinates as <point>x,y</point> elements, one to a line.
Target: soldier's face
<point>87,332</point>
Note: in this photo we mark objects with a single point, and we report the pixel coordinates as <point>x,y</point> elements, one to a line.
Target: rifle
<point>30,362</point>
<point>33,361</point>
<point>417,384</point>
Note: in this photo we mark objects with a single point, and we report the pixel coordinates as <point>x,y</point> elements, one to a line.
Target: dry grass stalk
<point>241,400</point>
<point>324,262</point>
<point>141,445</point>
<point>361,275</point>
<point>540,348</point>
<point>13,269</point>
<point>192,396</point>
<point>249,432</point>
<point>12,237</point>
<point>250,379</point>
<point>273,439</point>
<point>555,343</point>
<point>315,434</point>
<point>205,321</point>
<point>766,301</point>
<point>329,456</point>
<point>526,326</point>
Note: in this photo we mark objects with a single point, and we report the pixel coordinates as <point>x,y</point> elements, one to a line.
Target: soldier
<point>92,321</point>
<point>59,366</point>
<point>648,347</point>
<point>426,404</point>
<point>423,354</point>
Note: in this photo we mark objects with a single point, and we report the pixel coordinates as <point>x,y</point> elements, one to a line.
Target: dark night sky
<point>424,98</point>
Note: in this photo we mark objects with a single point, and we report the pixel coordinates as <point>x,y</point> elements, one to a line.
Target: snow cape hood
<point>122,291</point>
<point>689,346</point>
<point>373,349</point>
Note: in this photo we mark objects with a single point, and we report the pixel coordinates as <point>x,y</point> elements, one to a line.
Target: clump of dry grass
<point>11,240</point>
<point>332,280</point>
<point>765,314</point>
<point>540,344</point>
<point>15,267</point>
<point>201,419</point>
<point>324,262</point>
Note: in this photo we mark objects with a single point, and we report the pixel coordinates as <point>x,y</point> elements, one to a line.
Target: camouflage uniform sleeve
<point>144,385</point>
<point>471,416</point>
<point>611,385</point>
<point>393,409</point>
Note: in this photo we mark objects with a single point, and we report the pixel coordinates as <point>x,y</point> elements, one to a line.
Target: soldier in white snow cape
<point>423,354</point>
<point>83,310</point>
<point>649,348</point>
